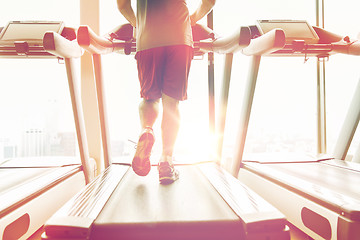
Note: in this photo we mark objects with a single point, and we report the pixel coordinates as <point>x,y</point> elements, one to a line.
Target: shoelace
<point>133,142</point>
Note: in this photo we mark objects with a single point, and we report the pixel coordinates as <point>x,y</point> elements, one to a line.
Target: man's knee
<point>168,101</point>
<point>149,104</point>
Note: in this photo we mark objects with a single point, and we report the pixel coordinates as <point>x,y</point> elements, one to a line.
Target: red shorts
<point>164,70</point>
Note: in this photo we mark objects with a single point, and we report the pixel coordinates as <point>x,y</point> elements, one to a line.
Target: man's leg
<point>169,128</point>
<point>170,125</point>
<point>176,72</point>
<point>148,111</point>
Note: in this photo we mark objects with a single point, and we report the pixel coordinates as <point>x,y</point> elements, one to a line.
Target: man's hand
<point>127,11</point>
<point>203,9</point>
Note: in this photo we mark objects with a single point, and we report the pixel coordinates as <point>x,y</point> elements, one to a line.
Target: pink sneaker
<point>167,173</point>
<point>141,161</point>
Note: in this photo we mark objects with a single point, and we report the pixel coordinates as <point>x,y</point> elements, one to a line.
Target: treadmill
<point>205,203</point>
<point>34,188</point>
<point>319,196</point>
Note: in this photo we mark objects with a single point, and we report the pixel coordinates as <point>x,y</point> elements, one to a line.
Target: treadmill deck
<point>205,203</point>
<point>149,208</point>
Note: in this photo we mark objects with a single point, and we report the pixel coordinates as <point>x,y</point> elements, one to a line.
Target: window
<point>283,117</point>
<point>35,106</point>
<point>342,71</point>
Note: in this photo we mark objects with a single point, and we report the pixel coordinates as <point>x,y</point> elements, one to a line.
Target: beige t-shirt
<point>162,23</point>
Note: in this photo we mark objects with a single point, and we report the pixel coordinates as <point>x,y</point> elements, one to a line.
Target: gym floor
<point>295,233</point>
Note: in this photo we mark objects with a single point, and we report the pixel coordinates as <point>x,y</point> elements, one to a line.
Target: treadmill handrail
<point>59,46</point>
<point>269,42</point>
<point>349,48</point>
<point>338,43</point>
<point>96,44</point>
<point>230,44</point>
<point>349,126</point>
<point>274,42</point>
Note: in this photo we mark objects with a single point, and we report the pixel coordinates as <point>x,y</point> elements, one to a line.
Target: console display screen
<point>16,31</point>
<point>294,30</point>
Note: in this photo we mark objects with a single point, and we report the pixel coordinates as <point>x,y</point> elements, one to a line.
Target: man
<point>164,53</point>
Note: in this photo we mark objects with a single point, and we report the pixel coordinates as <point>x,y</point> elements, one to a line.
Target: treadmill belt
<point>141,207</point>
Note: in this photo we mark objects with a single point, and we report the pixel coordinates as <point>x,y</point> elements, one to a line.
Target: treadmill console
<point>25,38</point>
<point>294,30</point>
<point>31,32</point>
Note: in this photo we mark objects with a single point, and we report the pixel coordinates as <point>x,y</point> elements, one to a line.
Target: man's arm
<point>203,9</point>
<point>126,10</point>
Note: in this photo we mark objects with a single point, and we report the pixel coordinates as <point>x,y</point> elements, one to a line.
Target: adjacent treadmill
<point>33,189</point>
<point>319,196</point>
<point>205,203</point>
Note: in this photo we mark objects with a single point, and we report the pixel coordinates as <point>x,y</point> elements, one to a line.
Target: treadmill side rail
<point>75,218</point>
<point>18,195</point>
<point>260,219</point>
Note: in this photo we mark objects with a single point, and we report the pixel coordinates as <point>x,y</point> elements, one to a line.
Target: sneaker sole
<point>142,166</point>
<point>167,180</point>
